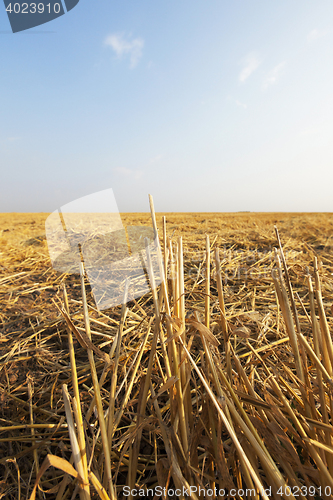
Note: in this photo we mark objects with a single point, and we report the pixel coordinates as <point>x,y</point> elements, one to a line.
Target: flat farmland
<point>221,378</point>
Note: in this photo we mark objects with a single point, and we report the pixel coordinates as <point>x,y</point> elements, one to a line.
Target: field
<point>221,379</point>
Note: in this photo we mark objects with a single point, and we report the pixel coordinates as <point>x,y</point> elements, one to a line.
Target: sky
<point>208,105</point>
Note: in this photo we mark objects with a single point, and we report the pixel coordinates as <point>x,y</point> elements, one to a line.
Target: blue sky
<point>209,105</point>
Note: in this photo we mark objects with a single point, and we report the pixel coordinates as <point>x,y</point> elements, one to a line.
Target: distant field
<point>266,356</point>
<point>17,228</point>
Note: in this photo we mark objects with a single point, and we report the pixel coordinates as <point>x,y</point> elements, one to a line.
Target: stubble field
<point>221,381</point>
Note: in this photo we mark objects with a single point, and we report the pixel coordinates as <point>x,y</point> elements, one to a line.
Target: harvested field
<point>223,379</point>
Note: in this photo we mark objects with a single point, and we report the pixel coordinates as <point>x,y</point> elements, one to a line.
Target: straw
<point>180,406</point>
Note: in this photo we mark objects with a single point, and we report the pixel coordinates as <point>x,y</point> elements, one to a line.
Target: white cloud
<point>315,34</point>
<point>128,172</point>
<point>123,45</point>
<point>251,63</point>
<point>273,76</point>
